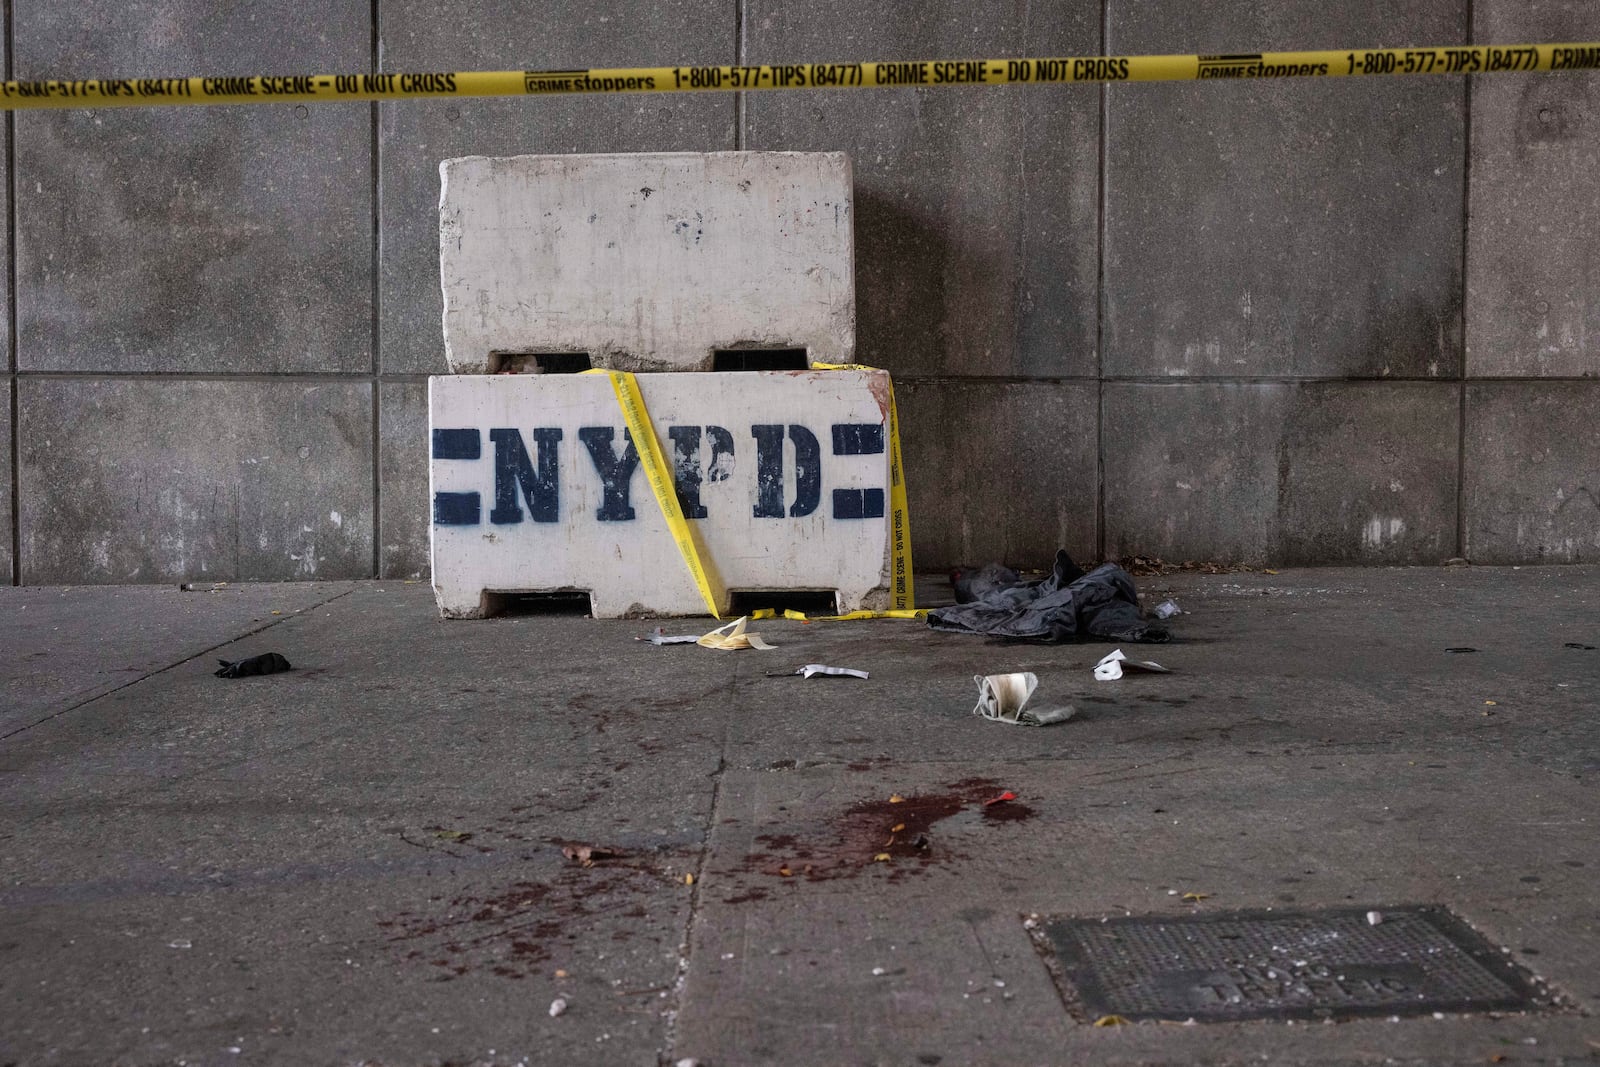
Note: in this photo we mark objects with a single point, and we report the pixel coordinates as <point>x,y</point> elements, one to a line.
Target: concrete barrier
<point>649,261</point>
<point>536,487</point>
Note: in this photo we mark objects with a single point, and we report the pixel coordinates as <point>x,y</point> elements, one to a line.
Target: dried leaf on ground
<point>1148,566</point>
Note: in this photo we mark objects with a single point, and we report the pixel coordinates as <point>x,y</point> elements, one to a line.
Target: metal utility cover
<point>1283,965</point>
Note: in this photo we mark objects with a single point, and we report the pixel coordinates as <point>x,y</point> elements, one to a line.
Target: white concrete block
<point>646,261</point>
<point>536,487</point>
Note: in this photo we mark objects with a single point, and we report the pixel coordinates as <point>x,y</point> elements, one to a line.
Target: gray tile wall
<point>1283,472</point>
<point>403,473</point>
<point>197,239</point>
<point>1532,468</point>
<point>1533,267</point>
<point>1335,322</point>
<point>129,480</point>
<point>1284,228</point>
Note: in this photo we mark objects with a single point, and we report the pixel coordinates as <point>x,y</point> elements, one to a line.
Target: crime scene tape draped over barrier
<point>1360,62</point>
<point>637,418</point>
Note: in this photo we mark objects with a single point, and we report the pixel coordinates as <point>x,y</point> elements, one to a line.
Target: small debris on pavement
<point>1114,663</point>
<point>811,670</point>
<point>266,663</point>
<point>896,798</point>
<point>659,636</point>
<point>688,879</point>
<point>589,855</point>
<point>1001,799</point>
<point>1195,898</point>
<point>1147,566</point>
<point>557,1006</point>
<point>735,636</point>
<point>1111,1020</point>
<point>1166,609</point>
<point>1374,918</point>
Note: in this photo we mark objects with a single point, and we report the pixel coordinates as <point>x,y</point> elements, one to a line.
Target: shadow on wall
<point>901,277</point>
<point>901,325</point>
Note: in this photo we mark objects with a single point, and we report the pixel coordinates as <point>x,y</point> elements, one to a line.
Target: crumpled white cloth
<point>1111,667</point>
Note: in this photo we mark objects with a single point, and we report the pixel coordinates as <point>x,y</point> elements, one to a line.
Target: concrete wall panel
<point>403,479</point>
<point>1282,228</point>
<point>1533,472</point>
<point>499,35</point>
<point>147,481</point>
<point>976,209</point>
<point>201,238</point>
<point>1360,473</point>
<point>998,471</point>
<point>1533,263</point>
<point>647,261</point>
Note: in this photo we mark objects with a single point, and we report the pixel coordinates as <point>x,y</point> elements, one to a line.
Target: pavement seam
<point>669,1039</point>
<point>269,624</point>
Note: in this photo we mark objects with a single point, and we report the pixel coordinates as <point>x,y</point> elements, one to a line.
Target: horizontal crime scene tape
<point>663,487</point>
<point>1360,62</point>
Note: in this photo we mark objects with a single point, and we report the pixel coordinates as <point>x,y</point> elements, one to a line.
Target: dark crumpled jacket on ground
<point>1065,606</point>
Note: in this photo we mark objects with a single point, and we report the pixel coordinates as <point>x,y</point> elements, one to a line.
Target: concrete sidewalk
<point>360,862</point>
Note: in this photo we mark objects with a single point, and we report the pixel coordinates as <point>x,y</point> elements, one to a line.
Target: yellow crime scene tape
<point>656,472</point>
<point>662,484</point>
<point>309,88</point>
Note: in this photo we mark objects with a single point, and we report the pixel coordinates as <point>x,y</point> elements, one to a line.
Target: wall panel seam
<point>1466,236</point>
<point>376,305</point>
<point>12,362</point>
<point>1100,297</point>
